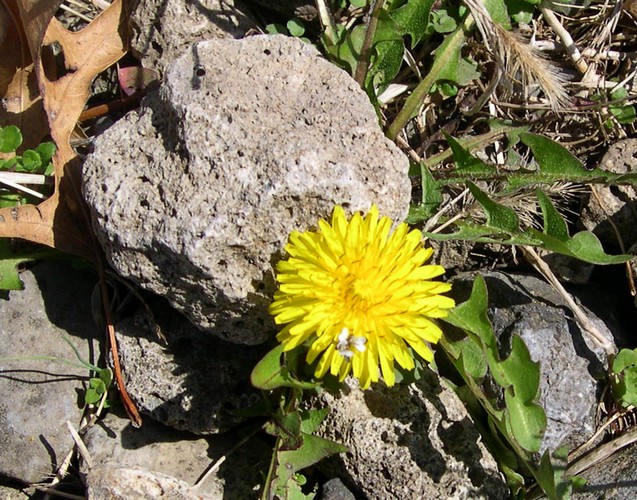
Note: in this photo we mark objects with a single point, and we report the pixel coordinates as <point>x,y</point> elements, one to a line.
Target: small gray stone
<point>569,362</point>
<point>154,447</point>
<point>162,29</point>
<point>334,489</point>
<point>37,397</point>
<point>409,441</point>
<point>188,381</point>
<point>108,482</point>
<point>194,196</point>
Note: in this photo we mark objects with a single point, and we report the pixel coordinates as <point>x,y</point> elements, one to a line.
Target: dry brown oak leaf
<point>60,221</point>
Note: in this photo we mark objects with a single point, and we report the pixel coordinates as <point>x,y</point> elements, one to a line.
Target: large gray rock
<point>37,397</point>
<point>409,441</point>
<point>569,362</point>
<point>188,381</point>
<point>162,29</point>
<point>194,196</point>
<point>154,447</point>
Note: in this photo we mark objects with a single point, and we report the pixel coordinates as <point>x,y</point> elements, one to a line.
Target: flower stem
<point>366,50</point>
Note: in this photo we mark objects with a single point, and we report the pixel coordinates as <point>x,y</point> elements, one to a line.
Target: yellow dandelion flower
<point>361,295</point>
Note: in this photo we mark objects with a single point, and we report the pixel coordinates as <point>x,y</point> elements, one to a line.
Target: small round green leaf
<point>10,139</point>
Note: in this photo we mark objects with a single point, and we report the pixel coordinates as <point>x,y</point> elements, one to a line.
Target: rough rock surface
<point>38,397</point>
<point>193,197</point>
<point>614,478</point>
<point>187,381</point>
<point>529,307</point>
<point>122,483</point>
<point>7,493</point>
<point>612,209</point>
<point>162,29</point>
<point>154,447</point>
<point>409,441</point>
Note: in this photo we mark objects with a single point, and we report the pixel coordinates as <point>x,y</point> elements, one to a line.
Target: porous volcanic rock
<point>193,196</point>
<point>185,380</point>
<point>162,29</point>
<point>409,441</point>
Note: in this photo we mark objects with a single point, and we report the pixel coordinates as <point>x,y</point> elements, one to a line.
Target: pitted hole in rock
<point>144,204</point>
<point>200,70</point>
<point>267,52</point>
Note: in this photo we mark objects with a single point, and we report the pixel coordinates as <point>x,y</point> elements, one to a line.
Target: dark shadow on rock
<point>607,295</point>
<point>66,291</point>
<point>191,380</point>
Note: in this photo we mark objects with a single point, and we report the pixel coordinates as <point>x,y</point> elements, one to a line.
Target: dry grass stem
<point>582,319</point>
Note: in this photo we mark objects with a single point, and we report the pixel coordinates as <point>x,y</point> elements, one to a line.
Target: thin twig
<point>583,321</point>
<point>602,453</point>
<point>433,220</point>
<point>25,178</point>
<point>327,21</point>
<point>20,187</point>
<point>566,38</point>
<point>583,448</point>
<point>215,466</point>
<point>81,447</point>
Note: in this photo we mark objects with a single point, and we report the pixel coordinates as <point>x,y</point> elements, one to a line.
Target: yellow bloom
<point>360,295</point>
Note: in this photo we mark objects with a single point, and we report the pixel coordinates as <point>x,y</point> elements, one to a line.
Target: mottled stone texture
<point>570,363</point>
<point>154,447</point>
<point>37,397</point>
<point>194,195</point>
<point>185,380</point>
<point>414,441</point>
<point>162,29</point>
<point>107,482</point>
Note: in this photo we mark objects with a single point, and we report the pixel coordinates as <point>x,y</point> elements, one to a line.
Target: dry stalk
<point>587,326</point>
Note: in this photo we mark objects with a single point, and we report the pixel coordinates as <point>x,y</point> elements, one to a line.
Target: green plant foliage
<point>502,224</point>
<point>312,450</point>
<point>10,139</point>
<point>624,114</point>
<point>270,373</point>
<point>410,21</point>
<point>522,421</point>
<point>36,161</point>
<point>98,387</point>
<point>11,259</point>
<point>296,445</point>
<point>521,11</point>
<point>623,377</point>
